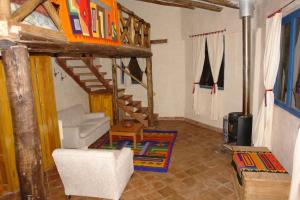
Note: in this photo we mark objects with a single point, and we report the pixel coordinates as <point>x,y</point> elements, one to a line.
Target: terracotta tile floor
<point>199,170</point>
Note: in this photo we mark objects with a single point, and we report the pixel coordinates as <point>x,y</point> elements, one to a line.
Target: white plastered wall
<point>67,91</point>
<point>201,21</point>
<point>168,61</point>
<point>285,125</point>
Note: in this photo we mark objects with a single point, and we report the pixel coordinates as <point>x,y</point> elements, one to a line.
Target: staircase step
<point>155,117</point>
<point>89,74</point>
<point>121,90</point>
<point>135,104</point>
<point>125,97</point>
<point>142,110</point>
<point>78,67</point>
<point>140,116</point>
<point>90,80</point>
<point>95,86</point>
<point>83,67</point>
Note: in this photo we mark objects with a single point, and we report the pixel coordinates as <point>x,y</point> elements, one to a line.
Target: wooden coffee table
<point>120,130</point>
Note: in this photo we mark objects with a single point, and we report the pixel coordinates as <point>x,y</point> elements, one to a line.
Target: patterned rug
<point>151,154</point>
<point>257,162</point>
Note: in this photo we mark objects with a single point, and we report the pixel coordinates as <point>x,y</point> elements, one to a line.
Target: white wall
<point>285,125</point>
<point>67,91</point>
<point>201,21</point>
<point>168,59</point>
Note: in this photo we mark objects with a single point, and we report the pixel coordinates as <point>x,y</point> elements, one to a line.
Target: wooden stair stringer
<point>125,102</point>
<point>95,71</point>
<point>63,64</point>
<point>134,115</point>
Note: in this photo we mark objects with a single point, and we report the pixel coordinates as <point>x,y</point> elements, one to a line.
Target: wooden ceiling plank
<point>225,3</point>
<point>163,3</point>
<point>198,5</point>
<point>25,9</point>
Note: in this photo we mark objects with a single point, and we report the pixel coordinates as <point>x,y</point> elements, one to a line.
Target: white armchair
<point>94,173</point>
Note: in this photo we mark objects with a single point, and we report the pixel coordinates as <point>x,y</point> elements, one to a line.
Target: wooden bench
<point>261,185</point>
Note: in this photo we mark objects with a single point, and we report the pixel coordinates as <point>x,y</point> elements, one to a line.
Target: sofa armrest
<point>70,137</point>
<point>94,115</point>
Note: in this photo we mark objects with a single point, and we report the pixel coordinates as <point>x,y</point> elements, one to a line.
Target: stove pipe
<point>246,11</point>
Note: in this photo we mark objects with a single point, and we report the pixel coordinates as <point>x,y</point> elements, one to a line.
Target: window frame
<point>221,88</point>
<point>291,19</point>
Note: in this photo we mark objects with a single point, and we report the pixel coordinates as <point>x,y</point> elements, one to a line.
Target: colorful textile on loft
<point>151,154</point>
<point>257,162</point>
<point>90,21</point>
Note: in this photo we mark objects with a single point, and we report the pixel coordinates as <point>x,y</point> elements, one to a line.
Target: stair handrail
<point>134,30</point>
<point>135,78</point>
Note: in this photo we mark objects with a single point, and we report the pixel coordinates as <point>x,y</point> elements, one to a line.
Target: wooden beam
<point>35,33</point>
<point>53,14</point>
<point>25,9</point>
<point>42,40</point>
<point>225,3</point>
<point>4,9</point>
<point>160,41</point>
<point>115,91</point>
<point>150,92</point>
<point>163,3</point>
<point>197,4</point>
<point>26,132</point>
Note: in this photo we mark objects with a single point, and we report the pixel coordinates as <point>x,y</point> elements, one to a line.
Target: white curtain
<point>295,185</point>
<point>262,133</point>
<point>198,62</point>
<point>215,44</point>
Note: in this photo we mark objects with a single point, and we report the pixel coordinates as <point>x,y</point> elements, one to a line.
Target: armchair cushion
<point>94,173</point>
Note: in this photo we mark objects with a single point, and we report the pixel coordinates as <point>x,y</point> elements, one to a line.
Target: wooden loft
<point>134,34</point>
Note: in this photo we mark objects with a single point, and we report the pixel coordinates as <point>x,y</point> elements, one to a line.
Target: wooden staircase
<point>90,78</point>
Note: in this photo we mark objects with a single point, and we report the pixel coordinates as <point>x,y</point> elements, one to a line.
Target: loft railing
<point>134,31</point>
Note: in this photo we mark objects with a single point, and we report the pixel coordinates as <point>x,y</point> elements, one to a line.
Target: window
<point>287,88</point>
<point>206,80</point>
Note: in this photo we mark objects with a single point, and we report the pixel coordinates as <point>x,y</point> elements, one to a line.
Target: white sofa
<point>81,129</point>
<point>94,173</point>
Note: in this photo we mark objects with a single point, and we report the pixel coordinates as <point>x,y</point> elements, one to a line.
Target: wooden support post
<point>142,35</point>
<point>132,30</point>
<point>115,91</point>
<point>150,91</point>
<point>26,132</point>
<point>4,9</point>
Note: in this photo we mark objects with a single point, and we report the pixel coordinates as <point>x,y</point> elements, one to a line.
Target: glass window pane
<point>296,74</point>
<point>284,62</point>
